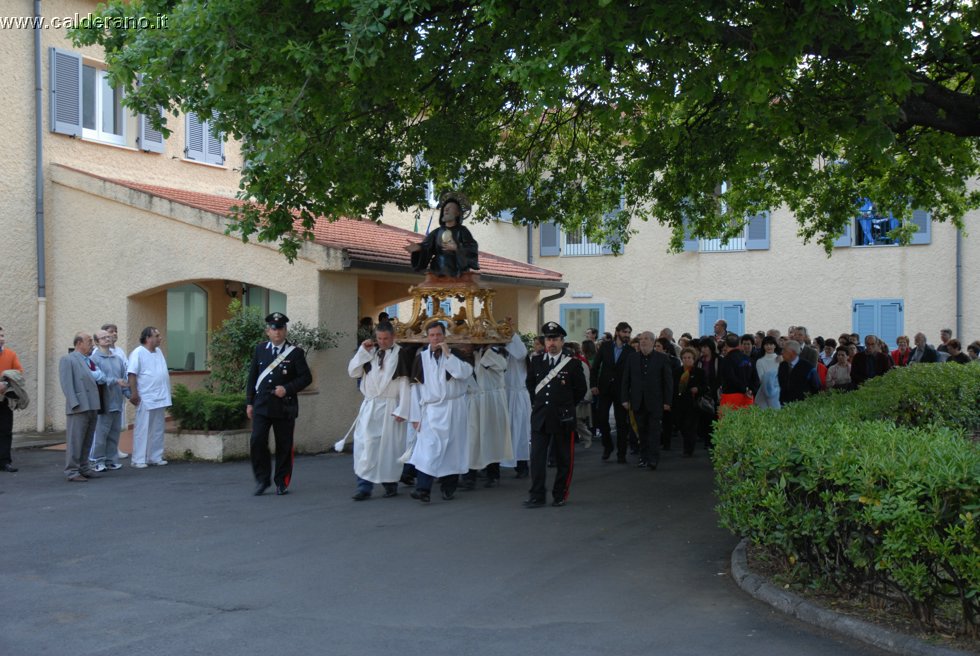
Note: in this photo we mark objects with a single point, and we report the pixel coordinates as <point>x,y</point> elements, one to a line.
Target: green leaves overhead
<point>560,109</point>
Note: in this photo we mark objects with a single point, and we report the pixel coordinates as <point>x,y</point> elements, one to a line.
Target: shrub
<point>207,411</point>
<point>231,346</point>
<point>876,490</point>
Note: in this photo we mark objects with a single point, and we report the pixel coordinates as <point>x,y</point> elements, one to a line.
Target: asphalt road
<point>183,560</point>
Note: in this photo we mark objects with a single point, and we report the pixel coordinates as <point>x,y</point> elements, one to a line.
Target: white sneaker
<point>113,466</point>
<point>99,467</point>
<point>122,455</point>
<point>138,465</point>
<point>159,463</point>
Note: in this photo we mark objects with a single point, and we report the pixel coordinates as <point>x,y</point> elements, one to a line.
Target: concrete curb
<point>791,604</point>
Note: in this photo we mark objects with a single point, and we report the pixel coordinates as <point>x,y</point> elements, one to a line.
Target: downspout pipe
<point>546,299</point>
<point>959,283</point>
<point>42,310</point>
<point>530,244</point>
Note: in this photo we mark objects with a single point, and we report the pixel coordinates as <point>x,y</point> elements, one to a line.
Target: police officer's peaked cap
<point>276,320</point>
<point>553,329</point>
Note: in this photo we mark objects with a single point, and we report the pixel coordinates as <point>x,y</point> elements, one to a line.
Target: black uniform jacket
<point>648,381</point>
<point>292,373</point>
<point>553,408</point>
<point>607,373</point>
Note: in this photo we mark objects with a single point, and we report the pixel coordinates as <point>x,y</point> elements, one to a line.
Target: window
<point>579,317</point>
<point>203,143</point>
<point>102,109</point>
<point>884,318</point>
<point>187,328</point>
<point>552,240</point>
<point>755,236</point>
<point>871,227</point>
<point>577,243</point>
<point>267,300</point>
<point>733,312</point>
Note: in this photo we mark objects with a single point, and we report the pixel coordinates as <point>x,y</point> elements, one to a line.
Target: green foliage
<point>202,410</point>
<point>809,105</point>
<point>875,490</point>
<point>313,338</point>
<point>528,339</point>
<point>231,346</point>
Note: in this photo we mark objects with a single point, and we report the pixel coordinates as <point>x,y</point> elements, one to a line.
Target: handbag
<point>706,405</point>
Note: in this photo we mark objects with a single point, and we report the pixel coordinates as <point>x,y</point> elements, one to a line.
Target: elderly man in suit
<point>797,377</point>
<point>648,389</point>
<point>77,374</point>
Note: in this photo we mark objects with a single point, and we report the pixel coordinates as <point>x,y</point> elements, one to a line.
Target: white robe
<point>439,405</point>
<point>519,401</point>
<point>379,440</point>
<point>489,424</point>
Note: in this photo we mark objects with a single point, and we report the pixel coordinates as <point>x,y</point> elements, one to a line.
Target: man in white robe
<point>438,412</point>
<point>380,431</point>
<point>519,403</point>
<point>489,434</point>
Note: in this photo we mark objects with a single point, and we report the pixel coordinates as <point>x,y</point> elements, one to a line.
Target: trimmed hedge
<point>207,411</point>
<point>874,491</point>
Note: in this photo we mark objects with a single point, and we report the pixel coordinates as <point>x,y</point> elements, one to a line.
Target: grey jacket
<point>77,383</point>
<point>114,369</point>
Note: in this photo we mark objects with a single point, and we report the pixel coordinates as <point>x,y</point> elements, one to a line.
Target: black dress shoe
<point>260,488</point>
<point>491,482</point>
<point>407,480</point>
<point>421,495</point>
<point>643,464</point>
<point>558,503</point>
<point>361,495</point>
<point>449,496</point>
<point>652,466</point>
<point>534,503</point>
<point>281,490</point>
<point>8,468</point>
<point>621,460</point>
<point>389,493</point>
<point>606,452</point>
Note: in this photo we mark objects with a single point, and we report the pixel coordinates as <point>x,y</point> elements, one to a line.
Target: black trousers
<point>563,450</point>
<point>687,423</point>
<point>622,425</point>
<point>649,424</point>
<point>7,432</point>
<point>259,448</point>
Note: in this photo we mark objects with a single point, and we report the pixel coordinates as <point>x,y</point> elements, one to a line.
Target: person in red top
<point>903,354</point>
<point>8,360</point>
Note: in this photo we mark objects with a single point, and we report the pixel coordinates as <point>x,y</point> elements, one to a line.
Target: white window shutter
<point>66,92</point>
<point>550,236</point>
<point>149,139</point>
<point>923,227</point>
<point>194,138</point>
<point>757,232</point>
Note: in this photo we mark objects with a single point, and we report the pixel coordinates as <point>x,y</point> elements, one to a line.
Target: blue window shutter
<point>690,242</point>
<point>757,232</point>
<point>549,236</point>
<point>66,92</point>
<point>923,227</point>
<point>614,244</point>
<point>708,314</point>
<point>214,144</point>
<point>149,139</point>
<point>890,322</point>
<point>845,239</point>
<point>733,312</point>
<point>864,321</point>
<point>194,138</point>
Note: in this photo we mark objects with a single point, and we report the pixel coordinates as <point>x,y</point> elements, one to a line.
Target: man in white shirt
<point>149,384</point>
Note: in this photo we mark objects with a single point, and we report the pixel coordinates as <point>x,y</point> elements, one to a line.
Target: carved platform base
<point>462,327</point>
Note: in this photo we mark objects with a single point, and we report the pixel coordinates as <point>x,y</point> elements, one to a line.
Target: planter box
<point>216,446</point>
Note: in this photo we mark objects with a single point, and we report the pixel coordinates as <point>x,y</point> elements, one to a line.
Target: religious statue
<point>450,249</point>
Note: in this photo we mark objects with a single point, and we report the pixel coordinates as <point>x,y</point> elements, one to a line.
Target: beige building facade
<point>134,224</point>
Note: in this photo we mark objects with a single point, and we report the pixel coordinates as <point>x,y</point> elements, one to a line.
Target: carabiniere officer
<point>556,382</point>
<point>277,374</point>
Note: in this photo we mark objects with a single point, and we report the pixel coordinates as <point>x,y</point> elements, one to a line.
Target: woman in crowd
<point>973,350</point>
<point>903,354</point>
<point>708,364</point>
<point>689,385</point>
<point>839,373</point>
<point>767,366</point>
<point>956,354</point>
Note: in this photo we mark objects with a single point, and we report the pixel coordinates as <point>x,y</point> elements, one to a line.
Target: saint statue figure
<point>450,249</point>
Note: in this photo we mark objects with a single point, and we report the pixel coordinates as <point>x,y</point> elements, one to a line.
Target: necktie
<point>91,365</point>
<point>275,351</point>
<point>381,359</point>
